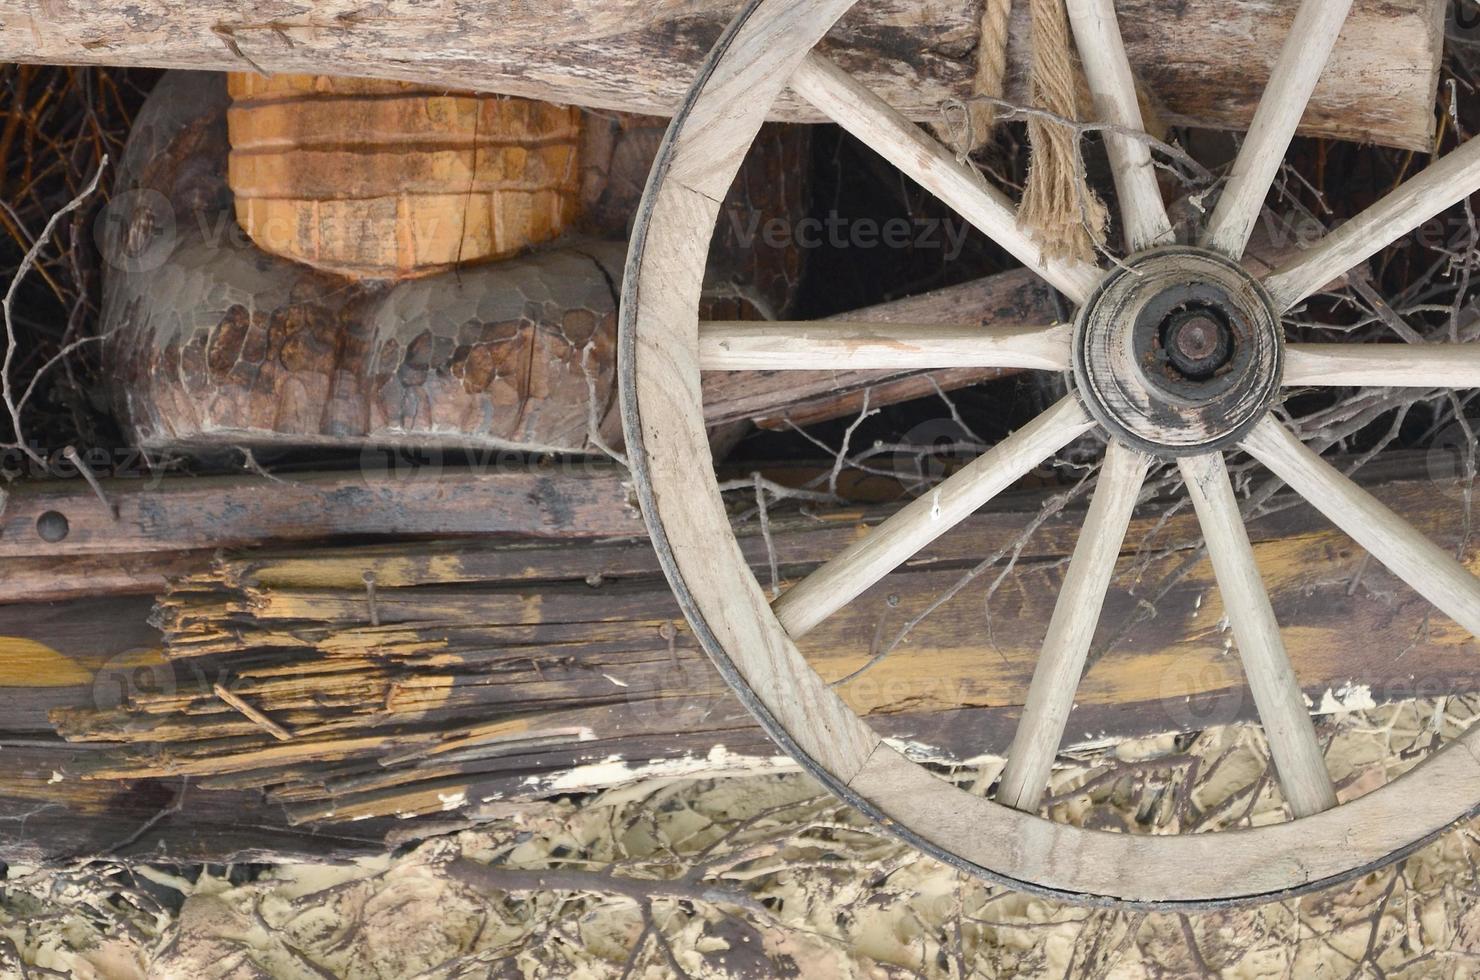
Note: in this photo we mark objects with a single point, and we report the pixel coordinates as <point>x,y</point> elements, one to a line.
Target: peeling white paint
<point>451,801</point>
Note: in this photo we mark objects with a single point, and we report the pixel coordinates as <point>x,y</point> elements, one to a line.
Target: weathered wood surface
<point>41,578</point>
<point>49,820</point>
<point>1013,298</point>
<point>1203,60</point>
<point>394,493</point>
<point>151,531</point>
<point>272,368</point>
<point>1301,62</point>
<point>212,342</point>
<point>164,524</point>
<point>381,179</point>
<point>504,672</point>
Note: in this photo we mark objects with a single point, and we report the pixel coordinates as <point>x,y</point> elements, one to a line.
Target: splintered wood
<point>472,673</point>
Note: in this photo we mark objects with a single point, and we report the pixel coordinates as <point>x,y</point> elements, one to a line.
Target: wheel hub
<point>1178,352</point>
<point>1198,342</point>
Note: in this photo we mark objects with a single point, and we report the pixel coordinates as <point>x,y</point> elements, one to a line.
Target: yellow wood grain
<point>388,179</point>
<point>27,663</point>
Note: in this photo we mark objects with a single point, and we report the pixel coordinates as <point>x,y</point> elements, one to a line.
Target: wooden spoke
<point>1282,711</point>
<point>1444,183</point>
<point>1433,572</point>
<point>1066,645</point>
<point>1301,60</point>
<point>926,518</point>
<point>840,97</point>
<point>752,638</point>
<point>752,345</point>
<point>1097,35</point>
<point>1384,365</point>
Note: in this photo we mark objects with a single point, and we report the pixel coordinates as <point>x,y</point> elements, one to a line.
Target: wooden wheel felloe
<point>1175,354</point>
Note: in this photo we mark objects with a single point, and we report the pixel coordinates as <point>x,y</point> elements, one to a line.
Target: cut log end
<point>383,179</point>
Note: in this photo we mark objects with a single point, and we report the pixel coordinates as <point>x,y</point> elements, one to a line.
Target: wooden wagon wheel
<point>1175,353</point>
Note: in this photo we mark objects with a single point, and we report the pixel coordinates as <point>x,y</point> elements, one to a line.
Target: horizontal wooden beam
<point>1204,61</point>
<point>394,493</point>
<point>475,673</point>
<point>48,817</point>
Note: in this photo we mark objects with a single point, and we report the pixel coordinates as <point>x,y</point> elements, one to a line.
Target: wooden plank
<point>847,400</point>
<point>591,684</point>
<point>504,673</point>
<point>53,655</point>
<point>50,578</point>
<point>179,523</point>
<point>393,494</point>
<point>50,816</point>
<point>1203,60</point>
